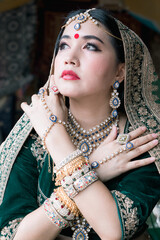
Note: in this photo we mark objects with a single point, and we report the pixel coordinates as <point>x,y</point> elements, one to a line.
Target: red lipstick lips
<point>69,75</point>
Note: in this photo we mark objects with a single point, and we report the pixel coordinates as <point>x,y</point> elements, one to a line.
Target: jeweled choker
<point>88,140</point>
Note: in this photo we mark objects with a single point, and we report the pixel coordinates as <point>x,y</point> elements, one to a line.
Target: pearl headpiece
<point>83,17</point>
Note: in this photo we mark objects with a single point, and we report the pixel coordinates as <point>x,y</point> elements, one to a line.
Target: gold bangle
<point>71,167</point>
<point>63,197</point>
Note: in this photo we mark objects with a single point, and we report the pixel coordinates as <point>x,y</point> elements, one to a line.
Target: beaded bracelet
<point>68,159</point>
<point>67,201</point>
<point>68,180</point>
<point>128,146</point>
<point>53,118</point>
<point>61,208</point>
<point>53,215</point>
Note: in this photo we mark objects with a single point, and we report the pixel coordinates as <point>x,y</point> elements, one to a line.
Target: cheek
<point>102,67</point>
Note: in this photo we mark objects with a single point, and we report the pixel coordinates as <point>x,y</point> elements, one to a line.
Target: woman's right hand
<point>122,162</point>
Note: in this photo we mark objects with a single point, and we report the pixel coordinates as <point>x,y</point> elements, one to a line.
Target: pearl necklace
<point>88,140</point>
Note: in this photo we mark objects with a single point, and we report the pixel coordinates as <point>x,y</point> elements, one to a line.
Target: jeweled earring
<point>54,89</point>
<point>115,101</point>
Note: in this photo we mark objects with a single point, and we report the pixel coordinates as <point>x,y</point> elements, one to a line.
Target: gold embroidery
<point>9,231</point>
<point>129,214</point>
<point>38,151</point>
<point>141,86</point>
<point>10,149</point>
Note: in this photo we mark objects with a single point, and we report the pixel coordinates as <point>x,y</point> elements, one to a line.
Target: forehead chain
<point>83,17</point>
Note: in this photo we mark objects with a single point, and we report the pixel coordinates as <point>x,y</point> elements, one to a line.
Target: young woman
<point>84,172</point>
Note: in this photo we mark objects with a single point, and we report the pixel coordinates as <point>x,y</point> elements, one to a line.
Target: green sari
<point>25,181</point>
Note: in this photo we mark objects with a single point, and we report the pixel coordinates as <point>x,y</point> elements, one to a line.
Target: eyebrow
<point>85,37</point>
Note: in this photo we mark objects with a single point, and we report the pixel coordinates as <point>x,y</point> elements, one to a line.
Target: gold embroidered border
<point>129,214</point>
<point>9,231</point>
<point>10,149</point>
<point>140,98</point>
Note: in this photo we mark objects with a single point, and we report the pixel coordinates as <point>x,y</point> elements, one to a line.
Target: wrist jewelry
<point>68,159</point>
<point>63,197</point>
<point>83,182</point>
<point>61,208</point>
<point>68,180</point>
<point>53,215</point>
<point>53,118</point>
<point>128,147</point>
<point>70,168</point>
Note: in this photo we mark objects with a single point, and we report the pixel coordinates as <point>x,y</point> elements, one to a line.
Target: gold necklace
<point>88,140</point>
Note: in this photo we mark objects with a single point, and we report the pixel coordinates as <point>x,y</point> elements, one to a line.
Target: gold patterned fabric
<point>9,231</point>
<point>128,214</point>
<point>141,93</point>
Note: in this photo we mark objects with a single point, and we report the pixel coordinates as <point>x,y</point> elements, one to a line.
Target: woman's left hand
<point>121,163</point>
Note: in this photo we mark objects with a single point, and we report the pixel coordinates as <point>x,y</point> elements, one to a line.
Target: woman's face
<point>86,63</point>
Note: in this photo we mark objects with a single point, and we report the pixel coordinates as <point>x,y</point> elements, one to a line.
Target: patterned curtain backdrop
<point>17,31</point>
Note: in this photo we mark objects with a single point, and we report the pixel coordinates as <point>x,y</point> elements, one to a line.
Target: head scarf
<point>141,102</point>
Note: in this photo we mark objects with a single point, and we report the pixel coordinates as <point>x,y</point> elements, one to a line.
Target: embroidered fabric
<point>9,231</point>
<point>38,151</point>
<point>129,214</point>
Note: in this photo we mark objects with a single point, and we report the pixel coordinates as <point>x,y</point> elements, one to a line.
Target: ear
<point>120,72</point>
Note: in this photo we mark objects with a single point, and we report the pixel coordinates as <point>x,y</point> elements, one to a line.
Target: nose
<point>72,60</point>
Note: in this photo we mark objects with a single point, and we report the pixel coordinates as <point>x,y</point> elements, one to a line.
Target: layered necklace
<point>89,140</point>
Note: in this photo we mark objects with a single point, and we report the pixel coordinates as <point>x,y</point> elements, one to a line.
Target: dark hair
<point>108,22</point>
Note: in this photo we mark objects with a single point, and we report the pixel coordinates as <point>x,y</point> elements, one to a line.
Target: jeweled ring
<point>123,138</point>
<point>129,145</point>
<point>41,91</point>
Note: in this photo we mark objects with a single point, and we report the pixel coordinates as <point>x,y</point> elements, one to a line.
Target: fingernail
<point>155,135</point>
<point>155,141</point>
<point>143,128</point>
<point>152,158</point>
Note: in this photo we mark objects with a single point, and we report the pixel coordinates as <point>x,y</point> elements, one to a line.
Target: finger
<point>136,133</point>
<point>142,149</point>
<point>139,163</point>
<point>34,99</point>
<point>142,140</point>
<point>25,107</point>
<point>112,136</point>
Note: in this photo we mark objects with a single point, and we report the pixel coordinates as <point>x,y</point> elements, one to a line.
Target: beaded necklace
<point>88,140</point>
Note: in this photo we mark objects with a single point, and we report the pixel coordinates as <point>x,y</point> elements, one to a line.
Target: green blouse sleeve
<point>136,193</point>
<point>20,197</point>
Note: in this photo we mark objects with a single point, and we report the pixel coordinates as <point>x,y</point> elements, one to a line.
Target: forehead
<point>87,28</point>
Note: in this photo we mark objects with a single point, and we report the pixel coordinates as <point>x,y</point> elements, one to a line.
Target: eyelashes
<point>89,46</point>
<point>92,47</point>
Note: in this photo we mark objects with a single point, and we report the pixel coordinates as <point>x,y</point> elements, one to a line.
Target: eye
<point>63,46</point>
<point>92,47</point>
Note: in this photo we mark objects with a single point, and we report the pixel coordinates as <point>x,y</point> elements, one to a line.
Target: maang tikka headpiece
<point>83,17</point>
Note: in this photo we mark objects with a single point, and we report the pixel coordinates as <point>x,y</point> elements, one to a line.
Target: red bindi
<point>76,36</point>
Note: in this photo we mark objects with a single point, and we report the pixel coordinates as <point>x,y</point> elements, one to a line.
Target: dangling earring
<point>115,101</point>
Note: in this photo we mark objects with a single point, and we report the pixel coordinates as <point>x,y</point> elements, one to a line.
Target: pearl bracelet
<point>128,146</point>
